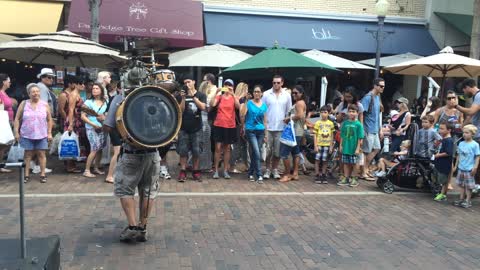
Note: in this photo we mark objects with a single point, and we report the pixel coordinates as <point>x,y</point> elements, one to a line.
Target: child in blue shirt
<point>467,164</point>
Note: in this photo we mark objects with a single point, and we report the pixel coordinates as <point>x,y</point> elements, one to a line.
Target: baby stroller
<point>412,172</point>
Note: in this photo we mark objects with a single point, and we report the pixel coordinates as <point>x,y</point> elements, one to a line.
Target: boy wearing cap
<point>192,102</point>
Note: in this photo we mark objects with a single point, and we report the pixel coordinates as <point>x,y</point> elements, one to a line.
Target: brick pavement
<point>262,232</point>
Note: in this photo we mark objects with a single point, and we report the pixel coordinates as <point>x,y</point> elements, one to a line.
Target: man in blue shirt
<point>371,121</point>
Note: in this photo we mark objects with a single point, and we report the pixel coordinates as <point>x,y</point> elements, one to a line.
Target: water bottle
<point>386,144</point>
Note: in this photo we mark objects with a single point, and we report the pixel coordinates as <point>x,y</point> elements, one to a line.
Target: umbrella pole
<point>443,84</point>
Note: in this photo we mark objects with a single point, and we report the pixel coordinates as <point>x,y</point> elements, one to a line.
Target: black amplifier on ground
<point>42,254</point>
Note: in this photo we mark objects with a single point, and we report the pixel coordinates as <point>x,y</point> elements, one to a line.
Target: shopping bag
<point>6,136</point>
<point>68,148</point>
<point>15,154</point>
<point>288,135</point>
<point>55,143</point>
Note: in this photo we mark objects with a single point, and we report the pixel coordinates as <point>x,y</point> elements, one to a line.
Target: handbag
<point>288,135</point>
<point>6,136</point>
<point>212,113</point>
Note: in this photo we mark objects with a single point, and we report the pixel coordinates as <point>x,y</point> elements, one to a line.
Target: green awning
<point>461,22</point>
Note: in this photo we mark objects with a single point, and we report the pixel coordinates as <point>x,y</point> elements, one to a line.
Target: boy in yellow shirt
<point>323,142</point>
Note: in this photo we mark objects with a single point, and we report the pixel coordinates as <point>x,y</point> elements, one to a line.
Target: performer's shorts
<point>140,171</point>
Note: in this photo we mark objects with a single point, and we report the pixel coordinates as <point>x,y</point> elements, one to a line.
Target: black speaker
<point>42,254</point>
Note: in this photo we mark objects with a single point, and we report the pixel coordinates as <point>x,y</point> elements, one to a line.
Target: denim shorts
<point>30,145</point>
<point>286,150</point>
<point>189,142</point>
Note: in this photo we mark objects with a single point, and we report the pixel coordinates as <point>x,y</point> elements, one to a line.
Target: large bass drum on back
<point>149,117</point>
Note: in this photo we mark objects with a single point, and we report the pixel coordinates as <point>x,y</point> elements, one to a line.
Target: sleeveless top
<point>453,119</point>
<point>7,104</point>
<point>298,125</point>
<point>34,121</point>
<point>77,117</point>
<point>255,116</point>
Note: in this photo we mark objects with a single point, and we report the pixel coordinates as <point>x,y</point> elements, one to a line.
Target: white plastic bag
<point>69,147</point>
<point>15,154</point>
<point>55,143</point>
<point>263,152</point>
<point>6,136</point>
<point>288,135</point>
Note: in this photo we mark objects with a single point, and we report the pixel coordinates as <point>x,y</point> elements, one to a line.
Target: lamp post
<point>381,9</point>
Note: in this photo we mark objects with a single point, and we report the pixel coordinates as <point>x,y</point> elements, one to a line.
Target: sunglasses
<point>450,98</point>
<point>381,86</point>
<point>49,77</point>
<point>277,82</point>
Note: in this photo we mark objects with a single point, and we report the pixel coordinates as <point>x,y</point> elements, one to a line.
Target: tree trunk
<point>94,19</point>
<point>475,38</point>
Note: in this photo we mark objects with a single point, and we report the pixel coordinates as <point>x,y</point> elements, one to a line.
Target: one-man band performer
<point>137,168</point>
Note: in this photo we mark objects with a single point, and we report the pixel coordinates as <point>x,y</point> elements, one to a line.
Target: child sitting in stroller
<point>383,163</point>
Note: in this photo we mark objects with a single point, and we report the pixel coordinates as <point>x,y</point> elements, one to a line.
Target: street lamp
<point>381,9</point>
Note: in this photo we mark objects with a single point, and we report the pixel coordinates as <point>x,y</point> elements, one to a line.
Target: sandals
<point>74,170</point>
<point>89,174</point>
<point>26,179</point>
<point>97,171</point>
<point>43,179</point>
<point>109,180</point>
<point>285,178</point>
<point>294,178</point>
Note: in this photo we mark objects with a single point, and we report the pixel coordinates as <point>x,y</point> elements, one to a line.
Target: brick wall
<point>404,8</point>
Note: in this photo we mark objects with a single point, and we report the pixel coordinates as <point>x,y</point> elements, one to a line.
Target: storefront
<point>176,23</point>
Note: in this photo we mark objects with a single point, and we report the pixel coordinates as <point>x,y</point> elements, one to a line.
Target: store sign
<point>323,34</point>
<point>180,21</point>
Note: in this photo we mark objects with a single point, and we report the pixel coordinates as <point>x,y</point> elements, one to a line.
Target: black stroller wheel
<point>380,181</point>
<point>388,187</point>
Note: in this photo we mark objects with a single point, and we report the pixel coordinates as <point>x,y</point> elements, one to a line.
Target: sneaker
<point>318,179</point>
<point>440,198</point>
<point>276,175</point>
<point>267,174</point>
<point>142,234</point>
<point>215,175</point>
<point>164,172</point>
<point>197,176</point>
<point>36,169</point>
<point>47,170</point>
<point>343,181</point>
<point>251,178</point>
<point>129,234</point>
<point>323,179</point>
<point>182,176</point>
<point>260,180</point>
<point>466,204</point>
<point>226,175</point>
<point>457,202</point>
<point>353,182</point>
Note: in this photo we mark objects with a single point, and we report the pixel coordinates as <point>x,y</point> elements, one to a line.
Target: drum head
<point>151,116</point>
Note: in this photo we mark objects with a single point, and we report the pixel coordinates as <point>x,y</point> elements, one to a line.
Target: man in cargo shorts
<point>137,168</point>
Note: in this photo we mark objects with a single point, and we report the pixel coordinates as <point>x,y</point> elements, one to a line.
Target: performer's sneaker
<point>182,176</point>
<point>129,234</point>
<point>141,234</point>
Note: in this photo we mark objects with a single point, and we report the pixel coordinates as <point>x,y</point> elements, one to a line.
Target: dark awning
<point>461,22</point>
<point>306,34</point>
<point>180,22</point>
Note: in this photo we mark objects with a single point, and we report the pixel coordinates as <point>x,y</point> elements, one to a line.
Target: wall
<point>442,32</point>
<point>403,8</point>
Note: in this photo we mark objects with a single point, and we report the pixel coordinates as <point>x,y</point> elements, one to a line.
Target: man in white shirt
<point>279,103</point>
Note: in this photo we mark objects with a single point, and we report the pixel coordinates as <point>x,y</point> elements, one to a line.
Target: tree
<point>475,38</point>
<point>94,19</point>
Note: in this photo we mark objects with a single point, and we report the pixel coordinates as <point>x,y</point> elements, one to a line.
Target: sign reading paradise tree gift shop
<point>180,22</point>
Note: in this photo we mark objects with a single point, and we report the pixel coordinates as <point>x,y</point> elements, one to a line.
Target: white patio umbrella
<point>444,64</point>
<point>334,61</point>
<point>216,55</point>
<point>5,38</point>
<point>62,48</point>
<point>391,60</point>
